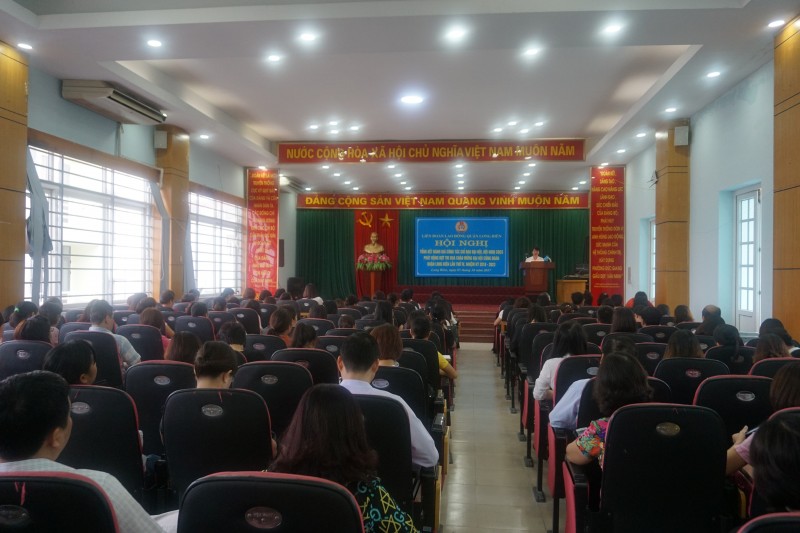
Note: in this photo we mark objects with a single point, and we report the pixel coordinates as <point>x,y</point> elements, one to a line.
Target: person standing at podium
<point>534,256</point>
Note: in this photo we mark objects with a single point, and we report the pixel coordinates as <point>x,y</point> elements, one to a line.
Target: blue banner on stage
<point>462,247</point>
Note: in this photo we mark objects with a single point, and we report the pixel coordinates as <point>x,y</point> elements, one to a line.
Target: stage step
<point>476,322</point>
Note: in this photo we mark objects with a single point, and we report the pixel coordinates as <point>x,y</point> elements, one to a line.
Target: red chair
<point>684,375</point>
<point>106,354</point>
<point>199,325</point>
<point>769,367</point>
<point>146,340</point>
<point>17,357</point>
<point>319,363</point>
<point>738,400</point>
<point>261,347</point>
<point>248,318</point>
<point>773,523</point>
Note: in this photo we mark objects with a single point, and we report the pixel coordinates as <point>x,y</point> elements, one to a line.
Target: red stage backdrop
<point>444,201</point>
<point>607,232</point>
<point>386,223</point>
<point>432,151</point>
<point>262,229</point>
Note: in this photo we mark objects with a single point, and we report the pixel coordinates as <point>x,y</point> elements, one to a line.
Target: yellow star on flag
<point>386,220</point>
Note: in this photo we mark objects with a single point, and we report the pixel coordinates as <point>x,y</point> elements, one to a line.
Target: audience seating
<point>17,357</point>
<point>773,523</point>
<point>769,367</point>
<point>248,501</point>
<point>340,332</point>
<point>69,327</point>
<point>399,316</point>
<point>292,304</point>
<point>588,410</point>
<point>218,318</point>
<point>688,325</point>
<point>428,351</point>
<point>650,354</point>
<point>659,333</point>
<point>416,361</point>
<point>54,501</point>
<point>528,414</point>
<point>149,384</point>
<point>739,400</point>
<point>320,325</point>
<point>181,307</point>
<point>121,317</point>
<point>739,360</point>
<point>369,306</point>
<point>215,430</point>
<point>407,384</point>
<point>106,354</point>
<point>248,318</point>
<point>305,305</point>
<point>635,337</point>
<point>261,347</point>
<point>663,471</point>
<point>146,340</point>
<point>280,384</point>
<point>331,344</point>
<point>366,324</point>
<point>265,312</point>
<point>334,317</point>
<point>706,342</point>
<point>199,325</point>
<point>319,363</point>
<point>133,318</point>
<point>169,318</point>
<point>596,332</point>
<point>72,315</point>
<point>8,335</point>
<point>684,375</point>
<point>667,320</point>
<point>105,435</point>
<point>355,313</point>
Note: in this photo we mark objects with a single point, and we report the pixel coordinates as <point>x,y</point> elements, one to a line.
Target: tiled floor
<point>488,487</point>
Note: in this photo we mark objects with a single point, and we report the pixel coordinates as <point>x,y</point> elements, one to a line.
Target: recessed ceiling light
<point>513,123</point>
<point>525,130</point>
<point>461,182</point>
<point>412,99</point>
<point>325,167</point>
<point>642,134</point>
<point>460,175</point>
<point>460,165</point>
<point>391,166</point>
<point>333,123</point>
<point>582,182</point>
<point>455,34</point>
<point>574,188</point>
<point>611,29</point>
<point>521,182</point>
<point>355,128</point>
<point>314,127</point>
<point>517,188</point>
<point>334,132</point>
<point>539,124</point>
<point>776,23</point>
<point>527,157</point>
<point>497,130</point>
<point>24,46</point>
<point>355,188</point>
<point>530,52</point>
<point>362,160</point>
<point>282,175</point>
<point>204,136</point>
<point>531,165</point>
<point>526,174</point>
<point>308,37</point>
<point>403,182</point>
<point>337,174</point>
<point>154,43</point>
<point>603,164</point>
<point>408,188</point>
<point>284,181</point>
<point>308,188</point>
<point>348,182</point>
<point>461,188</point>
<point>398,175</point>
<point>262,167</point>
<point>274,58</point>
<point>621,151</point>
<point>797,23</point>
<point>670,110</point>
<point>714,74</point>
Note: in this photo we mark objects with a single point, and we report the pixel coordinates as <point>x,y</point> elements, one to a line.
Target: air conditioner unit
<point>106,99</point>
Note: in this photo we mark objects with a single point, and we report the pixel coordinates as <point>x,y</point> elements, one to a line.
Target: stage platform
<point>491,296</point>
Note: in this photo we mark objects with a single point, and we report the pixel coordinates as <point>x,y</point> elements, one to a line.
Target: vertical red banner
<point>607,232</point>
<point>262,229</point>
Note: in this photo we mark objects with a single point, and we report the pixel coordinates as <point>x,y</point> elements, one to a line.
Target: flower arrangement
<point>373,262</point>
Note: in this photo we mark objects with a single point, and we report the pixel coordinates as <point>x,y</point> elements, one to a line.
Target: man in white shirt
<point>102,317</point>
<point>534,256</point>
<point>358,364</point>
<point>36,422</point>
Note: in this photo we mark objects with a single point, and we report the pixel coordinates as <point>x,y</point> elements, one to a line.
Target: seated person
<point>51,309</point>
<point>358,364</point>
<point>74,361</point>
<point>102,317</point>
<point>215,365</point>
<point>621,380</point>
<point>683,343</point>
<point>280,324</point>
<point>34,328</point>
<point>346,322</point>
<point>568,340</point>
<point>183,347</point>
<point>153,317</point>
<point>390,345</point>
<point>327,439</point>
<point>421,329</point>
<point>304,336</point>
<point>36,422</point>
<point>769,345</point>
<point>234,335</point>
<point>319,312</point>
<point>776,463</point>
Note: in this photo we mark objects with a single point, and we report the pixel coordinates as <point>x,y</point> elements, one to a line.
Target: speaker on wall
<point>280,253</point>
<point>295,286</point>
<point>681,137</point>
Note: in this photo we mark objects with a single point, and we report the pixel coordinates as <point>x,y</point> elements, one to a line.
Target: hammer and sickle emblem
<point>366,219</point>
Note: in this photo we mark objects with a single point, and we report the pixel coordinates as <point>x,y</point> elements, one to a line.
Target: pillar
<point>672,218</point>
<point>786,258</point>
<point>174,162</point>
<point>13,150</point>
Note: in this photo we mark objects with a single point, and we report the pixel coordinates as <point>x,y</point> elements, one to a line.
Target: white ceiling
<point>211,77</point>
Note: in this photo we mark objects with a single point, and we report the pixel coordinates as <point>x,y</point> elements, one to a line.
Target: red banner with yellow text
<point>432,151</point>
<point>262,229</point>
<point>444,201</point>
<point>386,224</point>
<point>607,232</point>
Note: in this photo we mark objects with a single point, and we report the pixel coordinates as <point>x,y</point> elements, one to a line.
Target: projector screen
<point>466,247</point>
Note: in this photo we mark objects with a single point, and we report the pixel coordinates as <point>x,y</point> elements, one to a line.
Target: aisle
<point>488,487</point>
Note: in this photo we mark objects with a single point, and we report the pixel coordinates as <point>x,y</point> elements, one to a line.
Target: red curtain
<point>386,223</point>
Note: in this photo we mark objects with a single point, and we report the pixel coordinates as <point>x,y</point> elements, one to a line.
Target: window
<point>216,233</point>
<point>652,260</point>
<point>748,254</point>
<point>101,229</point>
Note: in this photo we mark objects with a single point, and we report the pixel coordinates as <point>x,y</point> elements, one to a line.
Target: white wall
<point>214,171</point>
<point>287,229</point>
<point>640,207</point>
<point>731,148</point>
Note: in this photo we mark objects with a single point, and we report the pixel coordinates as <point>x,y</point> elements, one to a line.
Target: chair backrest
<point>72,315</point>
<point>367,324</point>
<point>580,318</point>
<point>218,318</point>
<point>200,326</point>
<point>369,306</point>
<point>320,325</point>
<point>266,311</point>
<point>248,318</point>
<point>773,523</point>
<point>106,354</point>
<point>753,343</point>
<point>8,335</point>
<point>17,357</point>
<point>415,361</point>
<point>149,384</point>
<point>35,502</point>
<point>280,384</point>
<point>739,400</point>
<point>769,367</point>
<point>588,409</point>
<point>121,317</point>
<point>331,344</point>
<point>231,424</point>
<point>340,332</point>
<point>635,337</point>
<point>405,383</point>
<point>105,435</point>
<point>290,303</point>
<point>355,313</point>
<point>739,360</point>
<point>659,333</point>
<point>305,305</point>
<point>540,342</point>
<point>706,342</point>
<point>664,469</point>
<point>688,325</point>
<point>181,307</point>
<point>146,340</point>
<point>571,369</point>
<point>249,501</point>
<point>169,318</point>
<point>428,350</point>
<point>525,348</point>
<point>261,347</point>
<point>650,354</point>
<point>69,327</point>
<point>684,375</point>
<point>400,316</point>
<point>389,433</point>
<point>667,320</point>
<point>596,332</point>
<point>319,363</point>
